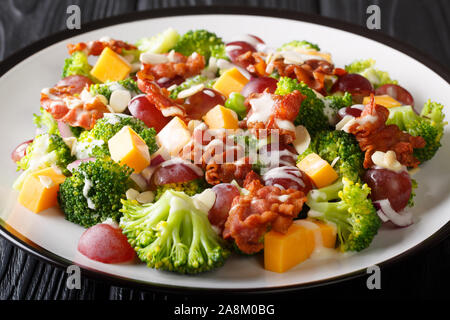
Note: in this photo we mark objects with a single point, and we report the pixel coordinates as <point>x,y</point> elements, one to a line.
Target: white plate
<point>56,239</point>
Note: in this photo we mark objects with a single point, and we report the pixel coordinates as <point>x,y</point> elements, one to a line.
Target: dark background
<point>424,24</point>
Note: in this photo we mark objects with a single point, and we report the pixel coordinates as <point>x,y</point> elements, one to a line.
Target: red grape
<point>258,85</point>
<point>141,108</point>
<point>397,92</point>
<point>200,103</point>
<point>105,243</point>
<point>356,84</point>
<point>177,172</point>
<point>236,48</point>
<point>353,111</point>
<point>387,184</point>
<point>20,151</point>
<point>289,177</point>
<point>225,193</point>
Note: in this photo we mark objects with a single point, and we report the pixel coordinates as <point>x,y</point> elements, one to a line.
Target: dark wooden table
<point>421,23</point>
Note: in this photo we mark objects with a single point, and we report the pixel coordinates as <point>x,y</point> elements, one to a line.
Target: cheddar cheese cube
<point>230,81</point>
<point>40,189</point>
<point>384,100</point>
<point>220,117</point>
<point>284,251</point>
<point>127,147</point>
<point>319,170</point>
<point>174,136</point>
<point>110,66</point>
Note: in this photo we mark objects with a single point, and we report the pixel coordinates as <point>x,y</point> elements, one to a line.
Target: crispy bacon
<point>179,66</point>
<point>96,47</point>
<point>253,214</point>
<point>312,72</point>
<point>63,106</point>
<point>254,61</point>
<point>373,134</point>
<point>285,108</point>
<point>227,172</point>
<point>159,96</point>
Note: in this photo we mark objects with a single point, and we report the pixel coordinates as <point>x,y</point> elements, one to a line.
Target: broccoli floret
<point>429,125</point>
<point>106,89</point>
<point>78,64</point>
<point>94,191</point>
<point>336,102</point>
<point>190,82</point>
<point>366,69</point>
<point>190,187</point>
<point>345,204</point>
<point>414,186</point>
<point>94,143</point>
<point>172,234</point>
<point>340,145</point>
<point>161,43</point>
<point>312,111</point>
<point>203,42</point>
<point>46,120</point>
<point>297,44</point>
<point>46,150</point>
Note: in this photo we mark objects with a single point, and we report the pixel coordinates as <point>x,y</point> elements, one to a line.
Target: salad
<point>181,150</point>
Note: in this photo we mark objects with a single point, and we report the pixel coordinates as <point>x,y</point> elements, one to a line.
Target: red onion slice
<point>401,219</point>
<point>72,166</point>
<point>64,130</point>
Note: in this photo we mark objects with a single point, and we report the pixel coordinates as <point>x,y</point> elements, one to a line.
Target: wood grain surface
<point>421,23</point>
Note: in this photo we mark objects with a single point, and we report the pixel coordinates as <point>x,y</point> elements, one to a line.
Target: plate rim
<point>44,255</point>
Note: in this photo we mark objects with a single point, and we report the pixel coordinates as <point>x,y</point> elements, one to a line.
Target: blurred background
<point>423,24</point>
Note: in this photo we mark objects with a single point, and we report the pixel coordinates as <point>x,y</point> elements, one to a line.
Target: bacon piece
<point>250,177</point>
<point>227,172</point>
<point>254,61</point>
<point>60,103</point>
<point>253,214</point>
<point>96,47</point>
<point>179,66</point>
<point>159,97</point>
<point>312,72</point>
<point>373,134</point>
<point>285,108</point>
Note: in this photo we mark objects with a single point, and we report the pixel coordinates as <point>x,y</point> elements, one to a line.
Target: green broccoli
<point>366,69</point>
<point>190,187</point>
<point>203,42</point>
<point>106,89</point>
<point>414,186</point>
<point>172,234</point>
<point>94,191</point>
<point>340,145</point>
<point>161,43</point>
<point>334,103</point>
<point>303,44</point>
<point>46,120</point>
<point>46,150</point>
<point>429,125</point>
<point>312,111</point>
<point>190,82</point>
<point>78,64</point>
<point>94,143</point>
<point>346,205</point>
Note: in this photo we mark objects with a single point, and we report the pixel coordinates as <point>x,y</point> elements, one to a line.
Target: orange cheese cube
<point>40,189</point>
<point>127,147</point>
<point>110,66</point>
<point>284,251</point>
<point>230,81</point>
<point>319,170</point>
<point>384,100</point>
<point>220,117</point>
<point>174,136</point>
